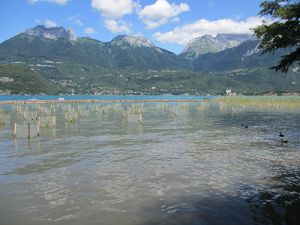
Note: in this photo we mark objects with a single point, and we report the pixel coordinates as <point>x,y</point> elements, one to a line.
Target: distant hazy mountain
<point>246,55</point>
<point>210,44</point>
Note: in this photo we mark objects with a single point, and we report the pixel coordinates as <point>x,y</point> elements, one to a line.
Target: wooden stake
<point>38,126</point>
<point>15,130</point>
<point>53,121</point>
<point>140,117</point>
<point>28,130</point>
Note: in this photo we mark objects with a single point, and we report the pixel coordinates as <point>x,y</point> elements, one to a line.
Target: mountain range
<point>132,64</point>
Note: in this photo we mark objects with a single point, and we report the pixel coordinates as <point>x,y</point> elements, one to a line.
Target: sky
<point>169,24</point>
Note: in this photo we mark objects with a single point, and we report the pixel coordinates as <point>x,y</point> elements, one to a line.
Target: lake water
<point>149,164</point>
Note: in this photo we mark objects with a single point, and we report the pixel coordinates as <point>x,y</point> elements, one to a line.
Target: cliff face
<point>53,33</point>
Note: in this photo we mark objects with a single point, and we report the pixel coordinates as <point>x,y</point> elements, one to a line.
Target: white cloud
<point>59,2</point>
<point>161,12</point>
<point>38,21</point>
<point>89,30</point>
<point>176,20</point>
<point>114,9</point>
<point>49,23</point>
<point>76,20</point>
<point>183,34</point>
<point>117,26</point>
<point>79,22</point>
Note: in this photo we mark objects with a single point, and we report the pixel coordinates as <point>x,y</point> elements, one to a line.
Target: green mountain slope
<point>246,81</point>
<point>19,79</point>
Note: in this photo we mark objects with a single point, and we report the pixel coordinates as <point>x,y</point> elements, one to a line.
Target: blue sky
<point>167,23</point>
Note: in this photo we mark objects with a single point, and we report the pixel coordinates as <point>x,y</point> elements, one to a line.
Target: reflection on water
<point>149,164</point>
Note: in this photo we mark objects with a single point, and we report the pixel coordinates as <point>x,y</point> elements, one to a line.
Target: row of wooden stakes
<point>29,126</point>
<point>33,119</point>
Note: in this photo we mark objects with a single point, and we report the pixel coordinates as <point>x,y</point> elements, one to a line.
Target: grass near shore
<point>262,101</point>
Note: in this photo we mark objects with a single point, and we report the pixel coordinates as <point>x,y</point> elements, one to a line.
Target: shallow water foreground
<point>149,164</point>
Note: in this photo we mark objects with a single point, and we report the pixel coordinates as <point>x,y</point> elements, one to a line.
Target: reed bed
<point>277,102</point>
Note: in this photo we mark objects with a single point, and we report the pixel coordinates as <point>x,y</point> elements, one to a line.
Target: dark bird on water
<point>281,135</point>
<point>244,126</point>
<point>283,141</point>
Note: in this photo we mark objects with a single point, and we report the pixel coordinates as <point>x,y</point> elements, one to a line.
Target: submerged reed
<point>261,101</point>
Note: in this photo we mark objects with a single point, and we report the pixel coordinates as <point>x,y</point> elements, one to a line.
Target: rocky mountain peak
<point>137,41</point>
<point>53,33</point>
<point>206,36</point>
<point>209,44</point>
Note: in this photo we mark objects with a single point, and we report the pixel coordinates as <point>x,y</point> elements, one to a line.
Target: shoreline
<point>76,101</point>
